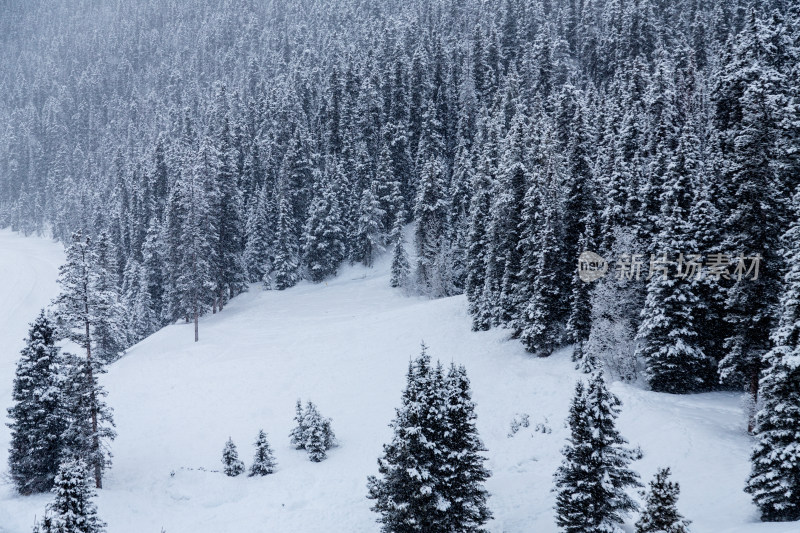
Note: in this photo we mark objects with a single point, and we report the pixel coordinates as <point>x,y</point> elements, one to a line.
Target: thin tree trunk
<point>196,327</point>
<point>753,390</point>
<point>98,471</point>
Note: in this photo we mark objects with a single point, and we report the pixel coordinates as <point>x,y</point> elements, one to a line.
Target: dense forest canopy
<point>187,149</point>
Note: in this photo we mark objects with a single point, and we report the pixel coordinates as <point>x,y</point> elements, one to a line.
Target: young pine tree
<point>72,509</point>
<point>264,460</point>
<point>232,466</point>
<point>774,481</point>
<point>406,493</point>
<point>298,433</point>
<point>661,514</point>
<point>432,473</point>
<point>36,418</point>
<point>594,475</point>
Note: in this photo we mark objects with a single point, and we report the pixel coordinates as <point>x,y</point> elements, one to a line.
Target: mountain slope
<point>345,345</point>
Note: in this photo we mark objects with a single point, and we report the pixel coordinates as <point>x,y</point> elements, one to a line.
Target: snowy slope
<point>346,345</point>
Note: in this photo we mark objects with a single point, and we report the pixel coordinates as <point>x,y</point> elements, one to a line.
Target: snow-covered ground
<point>345,345</point>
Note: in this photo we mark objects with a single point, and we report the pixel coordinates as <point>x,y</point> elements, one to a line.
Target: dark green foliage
<point>660,513</point>
<point>36,417</point>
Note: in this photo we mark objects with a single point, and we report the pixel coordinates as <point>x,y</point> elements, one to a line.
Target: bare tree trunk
<point>98,471</point>
<point>753,390</point>
<point>196,325</point>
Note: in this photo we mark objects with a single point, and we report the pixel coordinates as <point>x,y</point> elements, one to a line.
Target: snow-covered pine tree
<point>401,268</point>
<point>194,271</point>
<point>746,99</point>
<point>368,239</point>
<point>89,421</point>
<point>572,479</point>
<point>514,179</point>
<point>319,437</point>
<point>389,192</point>
<point>430,215</point>
<point>479,218</point>
<point>36,418</point>
<point>287,249</point>
<point>298,433</point>
<point>313,432</point>
<point>72,509</point>
<point>231,464</point>
<point>669,341</point>
<point>660,514</point>
<point>324,247</point>
<point>463,472</point>
<point>264,460</point>
<point>594,476</point>
<point>225,203</point>
<point>579,321</point>
<point>774,481</point>
<point>407,493</point>
<point>258,237</point>
<point>109,328</point>
<point>77,313</point>
<point>540,324</point>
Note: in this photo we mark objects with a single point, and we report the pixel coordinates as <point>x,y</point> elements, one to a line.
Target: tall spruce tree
<point>36,417</point>
<point>593,478</point>
<point>669,341</point>
<point>324,246</point>
<point>78,311</point>
<point>774,482</point>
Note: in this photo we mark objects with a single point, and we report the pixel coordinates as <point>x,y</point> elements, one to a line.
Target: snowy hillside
<point>345,345</point>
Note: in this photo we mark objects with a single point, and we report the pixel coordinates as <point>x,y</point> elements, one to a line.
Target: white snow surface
<point>345,345</point>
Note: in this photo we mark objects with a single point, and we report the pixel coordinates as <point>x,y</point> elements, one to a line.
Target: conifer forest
<point>226,226</point>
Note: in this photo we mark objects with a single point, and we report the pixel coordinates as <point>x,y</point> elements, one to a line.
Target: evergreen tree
<point>746,118</point>
<point>406,496</point>
<point>319,437</point>
<point>670,344</point>
<point>368,238</point>
<point>232,466</point>
<point>661,514</point>
<point>594,475</point>
<point>312,433</point>
<point>89,421</point>
<point>324,247</point>
<point>110,332</point>
<point>72,509</point>
<point>464,472</point>
<point>258,237</point>
<point>196,248</point>
<point>401,268</point>
<point>264,460</point>
<point>78,311</point>
<point>298,433</point>
<point>36,421</point>
<point>286,266</point>
<point>430,214</point>
<point>432,472</point>
<point>774,482</point>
